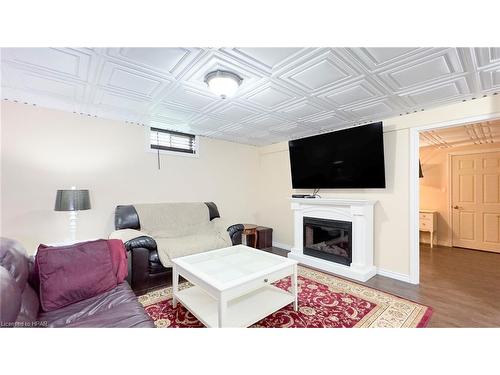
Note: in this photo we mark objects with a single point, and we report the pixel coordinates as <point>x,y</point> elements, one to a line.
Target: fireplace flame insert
<point>328,239</point>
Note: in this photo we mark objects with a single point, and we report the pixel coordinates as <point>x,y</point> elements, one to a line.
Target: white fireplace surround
<point>357,211</point>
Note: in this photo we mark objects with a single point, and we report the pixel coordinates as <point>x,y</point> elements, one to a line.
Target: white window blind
<point>168,140</point>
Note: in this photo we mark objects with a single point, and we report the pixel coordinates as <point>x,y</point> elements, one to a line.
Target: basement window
<point>170,141</point>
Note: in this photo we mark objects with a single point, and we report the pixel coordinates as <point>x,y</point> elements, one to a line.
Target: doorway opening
<point>454,189</point>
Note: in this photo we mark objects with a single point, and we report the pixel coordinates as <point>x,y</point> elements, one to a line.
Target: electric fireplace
<point>328,239</point>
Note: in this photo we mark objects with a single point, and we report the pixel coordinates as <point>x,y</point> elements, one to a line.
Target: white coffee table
<point>232,286</point>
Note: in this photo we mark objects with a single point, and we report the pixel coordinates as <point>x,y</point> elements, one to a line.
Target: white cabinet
<point>428,223</point>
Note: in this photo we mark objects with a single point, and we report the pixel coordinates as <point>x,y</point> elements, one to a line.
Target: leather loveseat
<point>20,304</point>
<point>146,271</point>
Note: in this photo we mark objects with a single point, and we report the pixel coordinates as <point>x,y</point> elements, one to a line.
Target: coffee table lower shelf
<point>241,312</point>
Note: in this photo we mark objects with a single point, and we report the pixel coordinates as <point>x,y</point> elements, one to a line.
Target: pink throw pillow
<point>69,274</point>
<point>119,259</point>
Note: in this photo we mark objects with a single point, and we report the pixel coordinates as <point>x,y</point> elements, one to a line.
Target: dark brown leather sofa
<point>145,271</point>
<point>20,305</point>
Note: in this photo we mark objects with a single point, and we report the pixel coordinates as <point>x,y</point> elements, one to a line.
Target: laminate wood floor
<point>462,286</point>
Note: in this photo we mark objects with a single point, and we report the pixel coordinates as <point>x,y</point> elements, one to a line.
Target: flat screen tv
<point>345,159</point>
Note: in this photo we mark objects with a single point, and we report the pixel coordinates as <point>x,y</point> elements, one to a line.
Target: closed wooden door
<point>476,201</point>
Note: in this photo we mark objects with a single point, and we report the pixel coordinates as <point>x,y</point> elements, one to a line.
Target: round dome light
<point>223,83</point>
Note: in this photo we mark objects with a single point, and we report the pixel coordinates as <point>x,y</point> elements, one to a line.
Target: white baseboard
<point>394,275</point>
<point>439,243</point>
<point>282,245</point>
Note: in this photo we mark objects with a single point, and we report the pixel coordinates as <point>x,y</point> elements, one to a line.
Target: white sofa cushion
<point>175,247</point>
<point>181,229</point>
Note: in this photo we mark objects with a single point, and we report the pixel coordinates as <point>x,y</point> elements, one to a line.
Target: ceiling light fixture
<point>223,83</point>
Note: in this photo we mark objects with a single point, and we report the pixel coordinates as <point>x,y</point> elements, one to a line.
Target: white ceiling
<point>286,92</point>
<point>482,133</point>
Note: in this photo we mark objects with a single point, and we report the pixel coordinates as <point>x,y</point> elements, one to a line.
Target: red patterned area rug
<point>325,301</point>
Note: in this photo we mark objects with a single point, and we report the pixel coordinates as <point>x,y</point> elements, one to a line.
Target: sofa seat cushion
<point>170,248</point>
<point>154,264</point>
<point>156,268</point>
<point>153,257</point>
<point>117,307</point>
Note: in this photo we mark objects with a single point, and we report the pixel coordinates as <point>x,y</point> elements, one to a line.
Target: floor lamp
<point>73,200</point>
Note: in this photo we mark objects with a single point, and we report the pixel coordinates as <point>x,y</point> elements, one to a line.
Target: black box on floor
<point>264,237</point>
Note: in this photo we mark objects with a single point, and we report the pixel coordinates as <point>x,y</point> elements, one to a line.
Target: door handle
<point>456,207</point>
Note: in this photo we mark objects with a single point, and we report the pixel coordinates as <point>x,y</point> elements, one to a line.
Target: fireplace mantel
<point>334,201</point>
<point>357,211</point>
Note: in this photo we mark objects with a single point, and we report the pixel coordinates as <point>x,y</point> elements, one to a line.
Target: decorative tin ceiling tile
<point>285,93</point>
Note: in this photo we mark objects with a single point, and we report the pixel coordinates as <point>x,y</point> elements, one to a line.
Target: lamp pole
<point>73,216</point>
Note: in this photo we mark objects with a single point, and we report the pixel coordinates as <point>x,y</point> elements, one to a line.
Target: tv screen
<point>349,158</point>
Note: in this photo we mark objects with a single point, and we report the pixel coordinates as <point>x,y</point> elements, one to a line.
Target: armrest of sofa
<point>235,231</point>
<point>140,245</point>
<point>133,239</point>
<point>145,242</point>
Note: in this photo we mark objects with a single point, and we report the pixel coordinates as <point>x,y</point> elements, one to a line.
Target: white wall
<point>274,207</point>
<point>392,231</point>
<point>44,150</point>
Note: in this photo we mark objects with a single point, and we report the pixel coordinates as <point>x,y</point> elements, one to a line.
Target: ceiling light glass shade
<point>223,83</point>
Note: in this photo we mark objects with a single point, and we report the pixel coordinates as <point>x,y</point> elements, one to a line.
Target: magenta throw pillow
<point>119,259</point>
<point>68,274</point>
